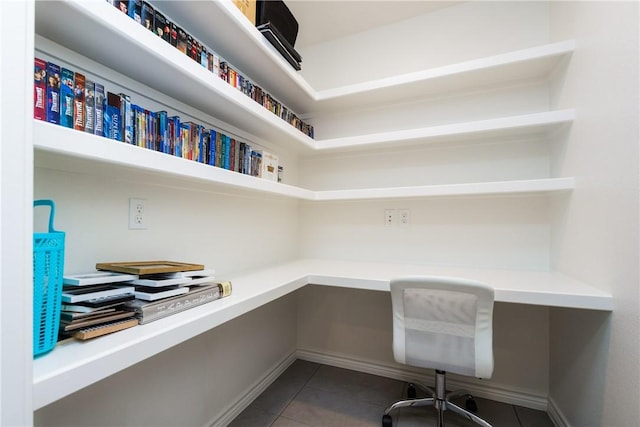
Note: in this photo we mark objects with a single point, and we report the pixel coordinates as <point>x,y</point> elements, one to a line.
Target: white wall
<point>594,357</point>
<point>356,326</point>
<point>492,232</point>
<point>227,232</point>
<point>461,32</point>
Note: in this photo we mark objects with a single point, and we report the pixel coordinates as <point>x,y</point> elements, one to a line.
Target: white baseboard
<point>253,391</point>
<point>556,415</point>
<point>479,388</point>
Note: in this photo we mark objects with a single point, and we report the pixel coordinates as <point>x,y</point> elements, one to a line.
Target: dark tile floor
<point>308,394</point>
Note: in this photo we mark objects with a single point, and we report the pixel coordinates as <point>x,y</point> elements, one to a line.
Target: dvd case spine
<point>89,106</point>
<point>53,93</point>
<point>99,110</point>
<point>78,102</point>
<point>66,98</point>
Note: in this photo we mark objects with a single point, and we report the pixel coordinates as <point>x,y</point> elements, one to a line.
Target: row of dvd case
<point>155,21</point>
<point>68,98</point>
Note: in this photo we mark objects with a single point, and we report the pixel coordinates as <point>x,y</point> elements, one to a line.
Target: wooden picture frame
<point>148,267</point>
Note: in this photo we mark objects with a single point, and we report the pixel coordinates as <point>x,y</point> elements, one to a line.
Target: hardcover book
<point>148,311</point>
<point>39,89</point>
<point>78,102</point>
<point>66,98</point>
<point>89,106</point>
<point>53,93</point>
<point>99,110</point>
<point>85,322</point>
<point>104,329</point>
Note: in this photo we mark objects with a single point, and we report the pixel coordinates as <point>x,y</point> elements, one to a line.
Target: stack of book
<point>122,295</point>
<point>163,288</point>
<point>93,304</point>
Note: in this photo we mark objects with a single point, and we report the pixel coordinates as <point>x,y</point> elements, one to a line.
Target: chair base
<point>440,400</point>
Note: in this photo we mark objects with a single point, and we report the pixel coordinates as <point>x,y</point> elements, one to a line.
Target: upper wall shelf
<point>528,124</point>
<point>144,57</point>
<point>532,64</point>
<point>66,149</point>
<point>220,24</point>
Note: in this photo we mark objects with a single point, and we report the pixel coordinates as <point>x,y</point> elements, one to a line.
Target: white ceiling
<point>324,20</point>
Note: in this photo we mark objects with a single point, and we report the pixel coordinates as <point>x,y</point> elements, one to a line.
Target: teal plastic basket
<point>48,265</point>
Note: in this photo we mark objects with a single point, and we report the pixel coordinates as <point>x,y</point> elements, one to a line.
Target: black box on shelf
<point>276,22</point>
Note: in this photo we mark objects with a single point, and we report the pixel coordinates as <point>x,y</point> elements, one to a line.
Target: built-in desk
<point>73,365</point>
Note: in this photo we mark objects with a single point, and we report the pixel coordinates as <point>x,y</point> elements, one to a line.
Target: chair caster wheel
<point>386,420</point>
<point>411,391</point>
<point>470,404</point>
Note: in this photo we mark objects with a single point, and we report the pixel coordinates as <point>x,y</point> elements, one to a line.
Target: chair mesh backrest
<point>444,324</point>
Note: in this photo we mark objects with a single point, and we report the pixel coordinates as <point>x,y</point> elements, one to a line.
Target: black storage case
<point>276,22</point>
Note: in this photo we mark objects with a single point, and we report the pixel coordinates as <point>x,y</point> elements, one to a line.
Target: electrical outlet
<point>404,217</point>
<point>137,214</point>
<point>390,217</point>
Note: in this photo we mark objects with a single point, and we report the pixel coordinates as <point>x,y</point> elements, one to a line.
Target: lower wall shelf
<point>65,149</point>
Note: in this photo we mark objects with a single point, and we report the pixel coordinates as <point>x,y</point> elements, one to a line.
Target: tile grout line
<point>295,395</point>
<point>517,416</point>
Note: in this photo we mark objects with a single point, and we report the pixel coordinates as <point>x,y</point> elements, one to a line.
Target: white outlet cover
<point>137,214</point>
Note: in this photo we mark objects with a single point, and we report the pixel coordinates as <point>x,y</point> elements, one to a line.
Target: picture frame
<point>148,267</point>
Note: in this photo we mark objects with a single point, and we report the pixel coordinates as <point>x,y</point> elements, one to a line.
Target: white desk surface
<point>73,365</point>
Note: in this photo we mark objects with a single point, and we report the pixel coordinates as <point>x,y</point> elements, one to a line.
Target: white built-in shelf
<point>531,64</point>
<point>61,148</point>
<point>141,55</point>
<point>103,34</point>
<point>519,187</point>
<point>73,365</point>
<point>220,25</point>
<point>66,149</point>
<point>529,124</point>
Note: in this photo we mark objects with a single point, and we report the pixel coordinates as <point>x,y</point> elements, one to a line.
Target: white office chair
<point>444,324</point>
